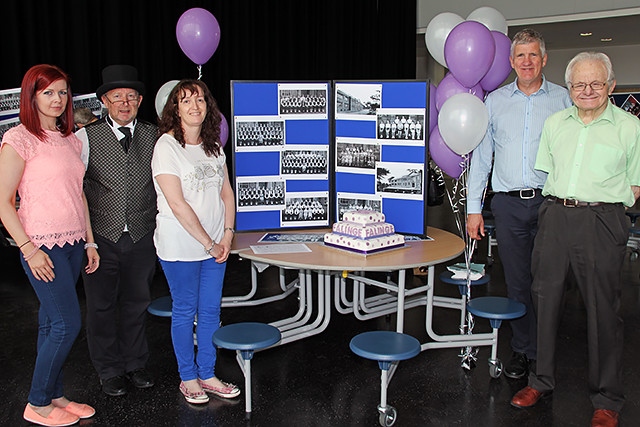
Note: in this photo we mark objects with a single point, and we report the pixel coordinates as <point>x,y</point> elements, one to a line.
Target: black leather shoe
<point>114,386</point>
<point>140,378</point>
<point>518,366</point>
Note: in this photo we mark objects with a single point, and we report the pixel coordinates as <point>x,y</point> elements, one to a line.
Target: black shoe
<point>140,378</point>
<point>518,366</point>
<point>114,386</point>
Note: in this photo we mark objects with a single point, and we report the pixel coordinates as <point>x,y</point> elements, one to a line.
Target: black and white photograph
<point>7,124</point>
<point>631,105</point>
<point>258,132</point>
<point>259,193</point>
<point>9,101</point>
<point>357,153</point>
<point>89,101</point>
<point>298,160</point>
<point>308,209</point>
<point>400,178</point>
<point>303,99</point>
<point>358,101</point>
<point>400,125</point>
<point>351,202</point>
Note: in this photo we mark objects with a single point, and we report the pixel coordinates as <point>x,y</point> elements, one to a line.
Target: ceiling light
<point>606,39</point>
<point>585,34</point>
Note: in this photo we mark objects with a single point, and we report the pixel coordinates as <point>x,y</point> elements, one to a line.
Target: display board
<point>381,150</point>
<point>627,99</point>
<point>281,154</point>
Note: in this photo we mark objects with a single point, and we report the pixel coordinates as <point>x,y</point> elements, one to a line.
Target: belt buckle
<point>570,203</point>
<point>527,193</point>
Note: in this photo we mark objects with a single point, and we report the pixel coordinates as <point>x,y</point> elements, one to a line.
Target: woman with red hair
<point>40,160</point>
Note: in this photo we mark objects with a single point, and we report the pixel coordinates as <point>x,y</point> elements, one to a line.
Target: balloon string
<point>199,72</point>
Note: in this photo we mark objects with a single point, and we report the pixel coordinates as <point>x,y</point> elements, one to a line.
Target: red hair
<point>38,78</point>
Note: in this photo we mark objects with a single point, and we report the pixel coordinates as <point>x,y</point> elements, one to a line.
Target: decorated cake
<point>363,231</point>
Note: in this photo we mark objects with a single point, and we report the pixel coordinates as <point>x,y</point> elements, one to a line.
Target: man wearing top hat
<point>118,185</point>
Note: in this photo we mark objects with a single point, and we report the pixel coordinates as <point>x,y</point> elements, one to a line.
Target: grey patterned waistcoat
<point>119,185</point>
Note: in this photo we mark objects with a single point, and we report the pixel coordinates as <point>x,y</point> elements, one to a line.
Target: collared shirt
<point>82,135</point>
<point>595,162</point>
<point>512,137</point>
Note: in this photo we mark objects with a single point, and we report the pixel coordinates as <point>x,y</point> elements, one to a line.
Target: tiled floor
<point>318,381</point>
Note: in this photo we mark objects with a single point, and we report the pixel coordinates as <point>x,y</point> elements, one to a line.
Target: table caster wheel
<point>387,416</point>
<point>495,368</point>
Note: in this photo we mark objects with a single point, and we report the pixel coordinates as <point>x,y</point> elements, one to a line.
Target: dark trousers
<point>118,294</point>
<point>516,227</point>
<point>591,243</point>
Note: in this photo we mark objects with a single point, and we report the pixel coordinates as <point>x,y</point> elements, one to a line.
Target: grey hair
<point>526,36</point>
<point>589,56</point>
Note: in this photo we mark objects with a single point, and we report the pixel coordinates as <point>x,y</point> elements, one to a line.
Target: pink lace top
<point>51,208</point>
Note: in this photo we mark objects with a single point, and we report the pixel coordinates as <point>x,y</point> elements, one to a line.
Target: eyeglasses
<point>119,99</point>
<point>579,87</point>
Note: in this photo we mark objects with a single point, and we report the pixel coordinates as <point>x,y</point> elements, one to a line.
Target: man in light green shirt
<point>591,152</point>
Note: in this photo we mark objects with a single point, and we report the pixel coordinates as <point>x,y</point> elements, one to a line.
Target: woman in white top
<point>194,230</point>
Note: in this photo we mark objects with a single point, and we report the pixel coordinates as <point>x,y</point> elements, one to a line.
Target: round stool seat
<point>633,216</point>
<point>246,336</point>
<point>161,306</point>
<point>635,231</point>
<point>496,309</point>
<point>489,228</point>
<point>385,346</point>
<point>447,277</point>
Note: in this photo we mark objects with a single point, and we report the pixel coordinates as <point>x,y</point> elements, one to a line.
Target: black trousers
<point>591,242</point>
<point>516,227</point>
<point>118,294</point>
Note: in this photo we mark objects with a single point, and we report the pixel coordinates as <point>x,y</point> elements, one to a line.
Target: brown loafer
<point>527,397</point>
<point>604,418</point>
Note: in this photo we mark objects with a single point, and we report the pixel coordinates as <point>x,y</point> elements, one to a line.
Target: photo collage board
<point>306,152</point>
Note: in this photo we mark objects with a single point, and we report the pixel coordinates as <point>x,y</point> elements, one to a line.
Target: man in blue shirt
<point>517,113</point>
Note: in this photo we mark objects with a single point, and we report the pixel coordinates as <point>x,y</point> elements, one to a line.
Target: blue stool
<point>388,348</point>
<point>490,229</point>
<point>245,338</point>
<point>447,277</point>
<point>496,309</point>
<point>160,306</point>
<point>634,235</point>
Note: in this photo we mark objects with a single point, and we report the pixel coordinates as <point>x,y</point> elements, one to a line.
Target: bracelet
<point>208,251</point>
<point>230,229</point>
<point>90,245</point>
<point>28,241</point>
<point>31,254</point>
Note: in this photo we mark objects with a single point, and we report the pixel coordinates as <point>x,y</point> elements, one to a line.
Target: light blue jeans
<point>196,290</point>
<point>59,320</point>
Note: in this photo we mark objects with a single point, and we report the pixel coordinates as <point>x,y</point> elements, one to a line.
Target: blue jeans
<point>196,290</point>
<point>59,320</point>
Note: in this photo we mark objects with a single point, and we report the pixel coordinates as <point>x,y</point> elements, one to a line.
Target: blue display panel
<point>380,150</point>
<point>281,154</point>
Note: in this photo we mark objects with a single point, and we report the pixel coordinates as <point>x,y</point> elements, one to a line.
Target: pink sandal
<point>229,391</point>
<point>195,397</point>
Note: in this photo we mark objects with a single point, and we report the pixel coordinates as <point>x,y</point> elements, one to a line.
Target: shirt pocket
<point>606,161</point>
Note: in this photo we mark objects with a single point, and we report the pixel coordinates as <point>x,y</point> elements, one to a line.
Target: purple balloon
<point>501,67</point>
<point>451,163</point>
<point>224,130</point>
<point>449,86</point>
<point>198,34</point>
<point>469,51</point>
<point>433,111</point>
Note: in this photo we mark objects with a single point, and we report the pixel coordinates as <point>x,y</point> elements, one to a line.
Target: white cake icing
<point>363,231</point>
<point>363,217</point>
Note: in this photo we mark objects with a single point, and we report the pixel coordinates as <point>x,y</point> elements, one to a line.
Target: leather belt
<point>527,193</point>
<point>572,203</point>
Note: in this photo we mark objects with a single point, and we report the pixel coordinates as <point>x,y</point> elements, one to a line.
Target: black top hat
<point>117,76</point>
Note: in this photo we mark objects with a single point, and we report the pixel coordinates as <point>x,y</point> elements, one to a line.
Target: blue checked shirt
<point>512,139</point>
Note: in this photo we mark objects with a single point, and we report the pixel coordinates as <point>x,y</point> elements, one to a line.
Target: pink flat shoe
<point>197,397</point>
<point>229,391</point>
<point>80,410</point>
<point>57,418</point>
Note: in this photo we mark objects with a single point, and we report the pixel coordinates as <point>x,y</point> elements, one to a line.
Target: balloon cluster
<point>476,52</point>
<point>198,34</point>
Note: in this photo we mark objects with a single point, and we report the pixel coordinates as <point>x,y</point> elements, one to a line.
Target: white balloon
<point>437,32</point>
<point>463,121</point>
<point>163,94</point>
<point>490,17</point>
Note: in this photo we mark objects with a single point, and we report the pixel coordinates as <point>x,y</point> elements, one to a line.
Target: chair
<point>490,229</point>
<point>634,235</point>
<point>387,348</point>
<point>447,277</point>
<point>245,338</point>
<point>161,306</point>
<point>496,309</point>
